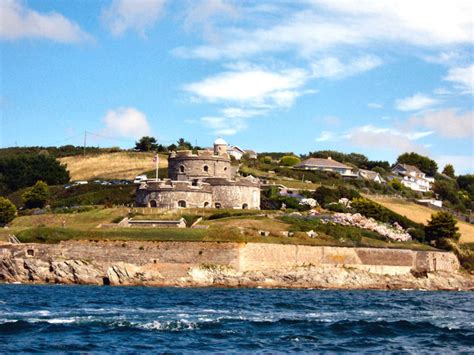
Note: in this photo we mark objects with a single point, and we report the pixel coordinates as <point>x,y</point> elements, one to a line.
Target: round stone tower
<point>220,146</point>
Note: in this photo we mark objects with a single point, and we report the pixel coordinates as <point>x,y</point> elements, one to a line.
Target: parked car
<point>140,178</point>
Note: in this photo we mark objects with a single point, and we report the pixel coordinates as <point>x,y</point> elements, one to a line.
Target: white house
<point>371,176</point>
<point>328,164</point>
<point>412,177</point>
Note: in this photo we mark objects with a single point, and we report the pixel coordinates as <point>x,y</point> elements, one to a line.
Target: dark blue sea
<point>139,319</point>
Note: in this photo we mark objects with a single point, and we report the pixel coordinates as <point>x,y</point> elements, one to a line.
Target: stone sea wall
<point>226,264</point>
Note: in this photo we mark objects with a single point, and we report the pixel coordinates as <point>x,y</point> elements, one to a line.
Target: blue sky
<point>374,77</point>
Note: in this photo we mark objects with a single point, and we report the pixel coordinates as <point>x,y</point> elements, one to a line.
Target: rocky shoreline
<point>20,270</point>
<point>213,264</point>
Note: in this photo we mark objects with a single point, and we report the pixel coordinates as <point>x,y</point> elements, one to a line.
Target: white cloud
<point>254,87</point>
<point>333,68</point>
<point>374,105</point>
<point>126,122</point>
<point>416,102</point>
<point>325,136</point>
<point>463,77</point>
<point>135,15</point>
<point>326,24</point>
<point>370,136</point>
<point>223,125</point>
<point>447,123</point>
<point>204,13</point>
<point>18,21</point>
<point>237,112</point>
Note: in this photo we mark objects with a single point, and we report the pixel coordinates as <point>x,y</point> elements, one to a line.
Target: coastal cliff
<point>230,265</point>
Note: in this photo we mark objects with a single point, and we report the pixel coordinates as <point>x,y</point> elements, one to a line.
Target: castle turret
<point>220,146</point>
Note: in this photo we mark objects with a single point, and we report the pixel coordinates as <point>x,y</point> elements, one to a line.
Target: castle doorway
<point>217,205</point>
<point>245,206</point>
<point>206,204</point>
<point>182,204</point>
<point>153,203</point>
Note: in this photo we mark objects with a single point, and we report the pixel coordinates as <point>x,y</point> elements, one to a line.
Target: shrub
<point>7,211</point>
<point>289,160</point>
<point>442,225</point>
<point>37,196</point>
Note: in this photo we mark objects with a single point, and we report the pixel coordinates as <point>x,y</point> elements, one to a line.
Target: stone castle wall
<point>184,165</point>
<point>239,256</point>
<point>236,196</point>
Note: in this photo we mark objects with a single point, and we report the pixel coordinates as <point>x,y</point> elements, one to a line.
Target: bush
<point>7,211</point>
<point>289,160</point>
<point>442,225</point>
<point>37,196</point>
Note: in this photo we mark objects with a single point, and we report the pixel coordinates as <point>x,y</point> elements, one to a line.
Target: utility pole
<point>85,142</point>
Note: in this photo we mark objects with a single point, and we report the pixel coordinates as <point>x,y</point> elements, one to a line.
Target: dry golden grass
<point>422,214</point>
<point>122,165</point>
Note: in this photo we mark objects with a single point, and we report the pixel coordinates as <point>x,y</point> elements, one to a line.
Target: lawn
<point>421,214</point>
<point>122,165</point>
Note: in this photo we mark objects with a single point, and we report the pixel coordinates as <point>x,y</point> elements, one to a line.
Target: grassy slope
<point>123,165</point>
<point>48,228</point>
<point>422,214</point>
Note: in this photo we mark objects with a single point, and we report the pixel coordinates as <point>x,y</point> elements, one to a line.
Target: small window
<point>206,204</point>
<point>225,169</point>
<point>30,252</point>
<point>181,169</point>
<point>195,182</point>
<point>245,206</point>
<point>205,168</point>
<point>217,205</point>
<point>182,203</point>
<point>153,203</point>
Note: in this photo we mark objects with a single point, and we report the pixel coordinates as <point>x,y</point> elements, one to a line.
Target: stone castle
<point>205,179</point>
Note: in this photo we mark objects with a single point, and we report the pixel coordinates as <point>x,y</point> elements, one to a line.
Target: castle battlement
<point>207,153</point>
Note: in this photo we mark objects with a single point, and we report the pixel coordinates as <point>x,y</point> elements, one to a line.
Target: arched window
<point>153,203</point>
<point>181,168</point>
<point>182,203</point>
<point>245,206</point>
<point>225,169</point>
<point>205,168</point>
<point>206,204</point>
<point>217,205</point>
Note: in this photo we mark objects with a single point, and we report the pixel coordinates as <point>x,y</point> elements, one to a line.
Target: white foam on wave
<point>177,325</point>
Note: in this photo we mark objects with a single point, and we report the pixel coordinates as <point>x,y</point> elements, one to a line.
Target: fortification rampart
<point>239,256</point>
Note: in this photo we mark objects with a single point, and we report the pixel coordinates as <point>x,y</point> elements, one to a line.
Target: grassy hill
<point>421,214</point>
<point>121,165</point>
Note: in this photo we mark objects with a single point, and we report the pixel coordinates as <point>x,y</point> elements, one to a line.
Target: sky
<point>373,77</point>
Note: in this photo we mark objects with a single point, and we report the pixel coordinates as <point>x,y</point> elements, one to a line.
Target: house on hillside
<point>321,164</point>
<point>412,177</point>
<point>371,176</point>
<point>238,153</point>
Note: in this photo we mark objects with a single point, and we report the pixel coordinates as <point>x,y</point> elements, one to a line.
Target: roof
<point>220,141</point>
<point>322,163</point>
<point>236,148</point>
<point>409,168</point>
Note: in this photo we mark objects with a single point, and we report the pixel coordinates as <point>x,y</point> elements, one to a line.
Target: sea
<point>102,319</point>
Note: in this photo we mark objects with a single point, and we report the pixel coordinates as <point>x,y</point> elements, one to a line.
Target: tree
<point>442,225</point>
<point>396,185</point>
<point>7,211</point>
<point>184,145</point>
<point>425,164</point>
<point>146,144</point>
<point>446,190</point>
<point>289,160</point>
<point>37,196</point>
<point>21,171</point>
<point>449,171</point>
